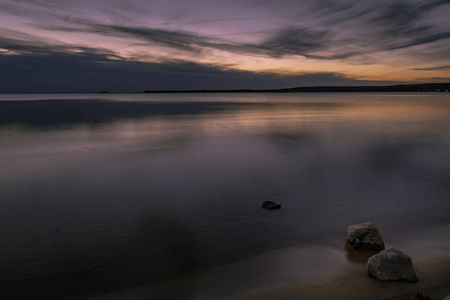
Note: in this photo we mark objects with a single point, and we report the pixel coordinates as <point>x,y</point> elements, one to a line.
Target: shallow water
<point>106,192</point>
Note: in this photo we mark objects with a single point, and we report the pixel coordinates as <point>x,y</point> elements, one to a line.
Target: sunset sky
<point>137,45</point>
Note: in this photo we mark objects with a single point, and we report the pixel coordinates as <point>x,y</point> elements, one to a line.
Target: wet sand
<point>353,283</point>
<point>314,272</point>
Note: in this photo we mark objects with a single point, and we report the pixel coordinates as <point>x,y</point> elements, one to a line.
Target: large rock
<point>364,236</point>
<point>391,264</point>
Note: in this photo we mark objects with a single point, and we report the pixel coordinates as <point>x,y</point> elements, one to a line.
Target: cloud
<point>425,39</point>
<point>433,79</point>
<point>334,33</point>
<point>46,48</point>
<point>293,41</point>
<point>324,30</point>
<point>429,5</point>
<point>95,71</point>
<point>175,39</point>
<point>301,41</point>
<point>403,25</point>
<point>432,68</point>
<point>368,27</point>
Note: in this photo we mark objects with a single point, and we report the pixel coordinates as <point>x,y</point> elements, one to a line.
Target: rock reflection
<point>358,256</point>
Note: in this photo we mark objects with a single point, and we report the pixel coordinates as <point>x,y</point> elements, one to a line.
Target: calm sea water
<point>102,192</point>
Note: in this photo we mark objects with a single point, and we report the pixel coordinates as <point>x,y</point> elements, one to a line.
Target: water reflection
<point>103,195</point>
<point>358,256</point>
<point>42,114</point>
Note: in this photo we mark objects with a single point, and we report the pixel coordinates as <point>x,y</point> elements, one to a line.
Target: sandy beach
<point>314,272</point>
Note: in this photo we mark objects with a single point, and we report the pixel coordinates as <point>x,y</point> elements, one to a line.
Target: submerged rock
<point>270,205</point>
<point>364,236</point>
<point>391,264</point>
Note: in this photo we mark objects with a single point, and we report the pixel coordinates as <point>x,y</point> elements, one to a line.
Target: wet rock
<point>391,264</point>
<point>270,205</point>
<point>364,236</point>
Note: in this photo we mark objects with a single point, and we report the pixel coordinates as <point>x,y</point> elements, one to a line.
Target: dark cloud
<point>287,41</point>
<point>432,68</point>
<point>433,79</point>
<point>371,27</point>
<point>206,21</point>
<point>329,30</point>
<point>425,39</point>
<point>175,39</point>
<point>398,15</point>
<point>293,41</point>
<point>327,8</point>
<point>36,47</point>
<point>91,72</point>
<point>403,25</point>
<point>33,10</point>
<point>429,5</point>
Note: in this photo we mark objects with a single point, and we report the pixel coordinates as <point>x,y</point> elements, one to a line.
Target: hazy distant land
<point>423,87</point>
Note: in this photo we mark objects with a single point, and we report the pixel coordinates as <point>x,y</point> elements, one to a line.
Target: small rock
<point>270,205</point>
<point>365,236</point>
<point>446,298</point>
<point>391,264</point>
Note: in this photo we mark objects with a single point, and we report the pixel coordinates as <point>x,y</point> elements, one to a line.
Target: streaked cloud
<point>433,68</point>
<point>359,39</point>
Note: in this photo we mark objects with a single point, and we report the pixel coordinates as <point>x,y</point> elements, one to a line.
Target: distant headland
<point>423,87</point>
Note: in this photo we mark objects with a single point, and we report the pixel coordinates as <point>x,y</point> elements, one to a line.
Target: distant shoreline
<point>424,87</point>
<point>401,88</point>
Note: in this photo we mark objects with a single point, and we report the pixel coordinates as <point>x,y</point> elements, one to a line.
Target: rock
<point>270,205</point>
<point>391,264</point>
<point>365,236</point>
<point>446,298</point>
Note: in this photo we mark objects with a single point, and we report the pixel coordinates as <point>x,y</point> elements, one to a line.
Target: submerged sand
<point>353,283</point>
<point>314,272</point>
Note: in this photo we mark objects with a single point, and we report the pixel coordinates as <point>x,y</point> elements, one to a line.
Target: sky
<point>137,45</point>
